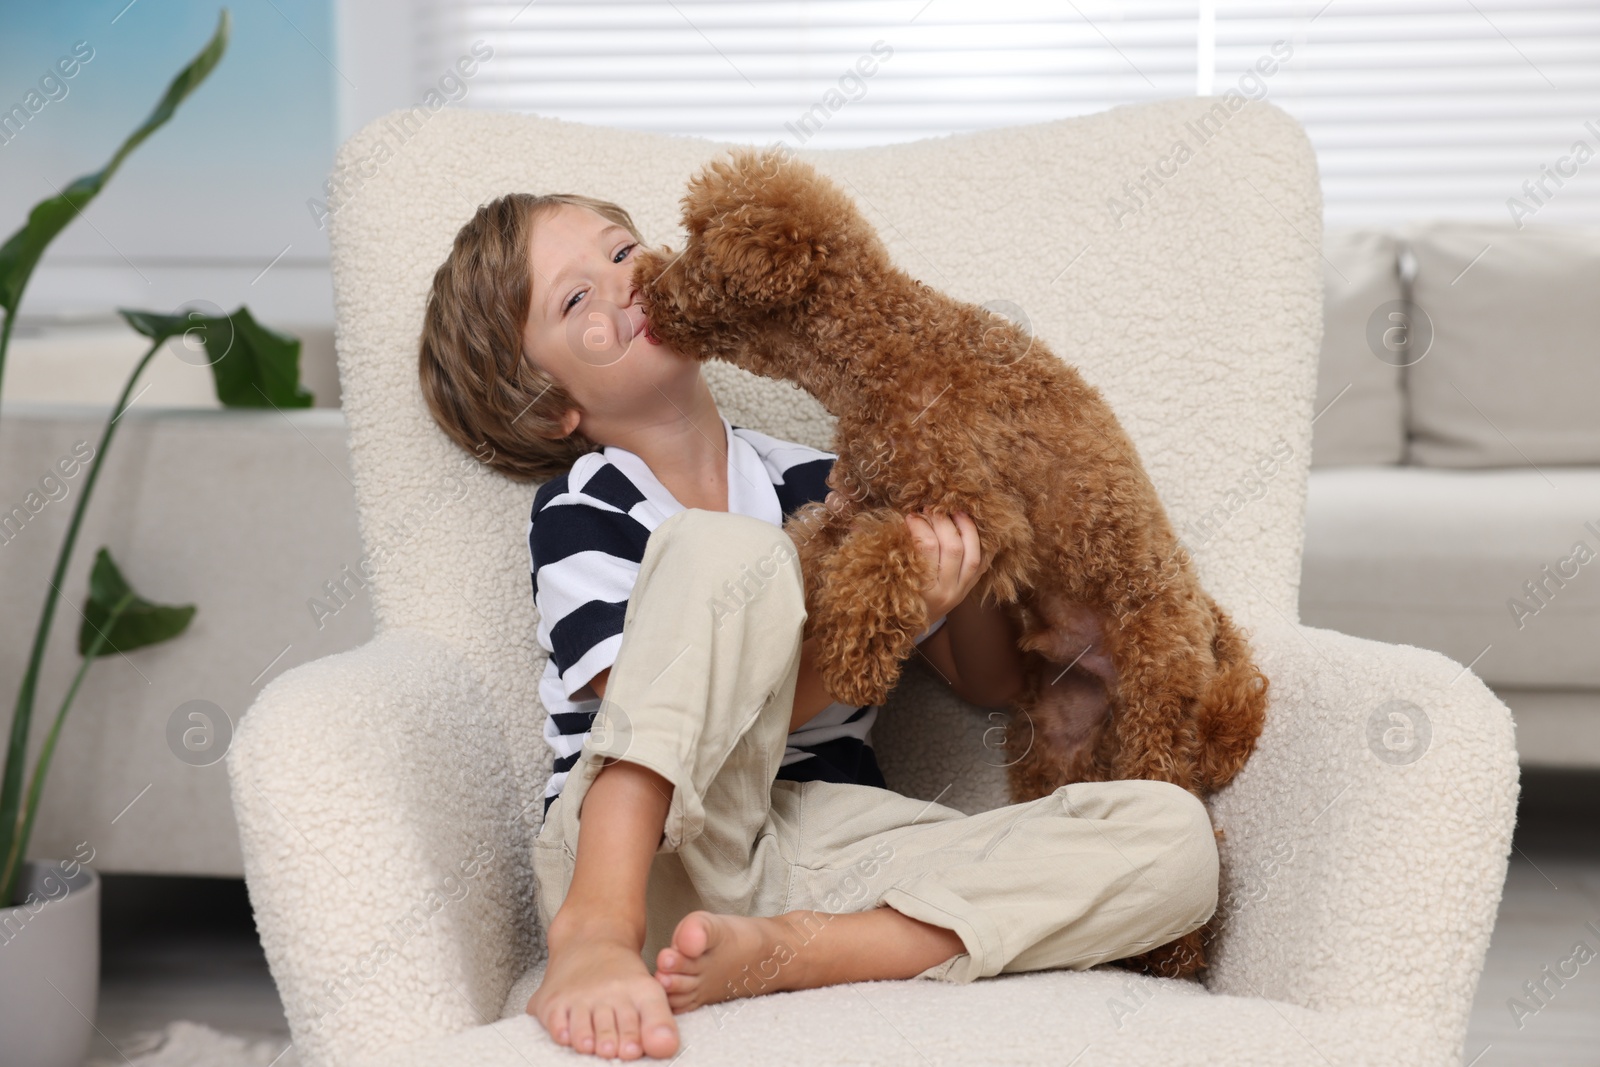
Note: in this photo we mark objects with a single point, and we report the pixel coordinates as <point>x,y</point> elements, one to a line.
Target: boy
<point>672,605</point>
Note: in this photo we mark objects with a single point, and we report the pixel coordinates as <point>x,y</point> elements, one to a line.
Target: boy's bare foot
<point>597,996</point>
<point>715,957</point>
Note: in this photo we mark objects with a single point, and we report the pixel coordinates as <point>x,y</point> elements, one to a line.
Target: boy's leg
<point>696,711</point>
<point>701,693</point>
<point>1096,871</point>
<point>596,994</point>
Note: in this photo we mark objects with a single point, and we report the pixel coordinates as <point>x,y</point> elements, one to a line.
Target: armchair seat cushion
<point>1104,1016</point>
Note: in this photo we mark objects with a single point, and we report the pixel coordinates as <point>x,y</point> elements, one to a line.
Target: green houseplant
<point>252,366</point>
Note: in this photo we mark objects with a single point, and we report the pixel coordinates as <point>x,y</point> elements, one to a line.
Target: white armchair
<point>387,796</point>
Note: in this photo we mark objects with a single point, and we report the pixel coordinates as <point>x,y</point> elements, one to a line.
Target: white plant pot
<point>50,965</point>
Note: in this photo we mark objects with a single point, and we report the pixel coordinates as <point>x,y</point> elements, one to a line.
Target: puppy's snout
<point>658,277</point>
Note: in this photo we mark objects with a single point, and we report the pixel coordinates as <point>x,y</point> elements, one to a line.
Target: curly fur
<point>1133,670</point>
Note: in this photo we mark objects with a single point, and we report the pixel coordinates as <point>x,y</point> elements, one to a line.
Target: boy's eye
<point>618,258</point>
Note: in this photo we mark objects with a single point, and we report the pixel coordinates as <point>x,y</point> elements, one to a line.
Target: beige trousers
<point>701,693</point>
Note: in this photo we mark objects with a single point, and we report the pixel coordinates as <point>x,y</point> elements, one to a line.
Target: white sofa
<point>387,796</point>
<point>245,514</point>
<point>1454,498</point>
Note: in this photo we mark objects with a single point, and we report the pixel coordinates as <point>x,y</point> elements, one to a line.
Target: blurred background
<point>1456,141</point>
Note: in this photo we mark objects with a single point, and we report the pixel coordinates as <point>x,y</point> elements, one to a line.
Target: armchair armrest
<point>385,845</point>
<point>1366,841</point>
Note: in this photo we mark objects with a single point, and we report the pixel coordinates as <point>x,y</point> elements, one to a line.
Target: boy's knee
<point>749,549</point>
<point>729,528</point>
<point>1186,849</point>
<point>1173,828</point>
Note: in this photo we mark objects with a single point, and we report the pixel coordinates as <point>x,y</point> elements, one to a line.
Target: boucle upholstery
<point>387,796</point>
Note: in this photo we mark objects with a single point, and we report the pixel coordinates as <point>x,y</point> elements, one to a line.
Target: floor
<point>180,948</point>
<point>1551,904</point>
<point>185,948</point>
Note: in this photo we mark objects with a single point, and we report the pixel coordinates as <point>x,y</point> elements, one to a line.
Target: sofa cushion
<point>1512,377</point>
<point>1360,410</point>
<point>1555,727</point>
<point>1498,569</point>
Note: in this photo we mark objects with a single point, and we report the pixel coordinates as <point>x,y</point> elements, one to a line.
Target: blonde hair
<point>478,386</point>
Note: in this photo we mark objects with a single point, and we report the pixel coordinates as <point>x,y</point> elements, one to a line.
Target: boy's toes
<point>582,1030</point>
<point>678,1003</point>
<point>658,1034</point>
<point>671,961</point>
<point>605,1032</point>
<point>628,1046</point>
<point>675,982</point>
<point>560,1026</point>
<point>689,941</point>
<point>557,1021</point>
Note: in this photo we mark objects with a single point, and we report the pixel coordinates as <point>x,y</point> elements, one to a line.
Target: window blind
<point>832,74</point>
<point>1416,108</point>
<point>1435,108</point>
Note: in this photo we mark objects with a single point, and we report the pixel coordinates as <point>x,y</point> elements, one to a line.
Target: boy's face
<point>586,324</point>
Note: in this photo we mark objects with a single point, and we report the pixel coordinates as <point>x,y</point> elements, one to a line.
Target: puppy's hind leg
<point>1066,715</point>
<point>1058,732</point>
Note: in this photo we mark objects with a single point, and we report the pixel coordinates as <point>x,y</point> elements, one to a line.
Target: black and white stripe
<point>586,539</point>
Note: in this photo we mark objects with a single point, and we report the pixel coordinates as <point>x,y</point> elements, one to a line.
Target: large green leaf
<point>141,622</point>
<point>253,366</point>
<point>20,254</point>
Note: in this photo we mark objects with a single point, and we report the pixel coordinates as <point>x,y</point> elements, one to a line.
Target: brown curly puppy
<point>1135,672</point>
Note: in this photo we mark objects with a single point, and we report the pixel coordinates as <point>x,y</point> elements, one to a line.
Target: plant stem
<point>5,342</point>
<point>30,808</point>
<point>16,750</point>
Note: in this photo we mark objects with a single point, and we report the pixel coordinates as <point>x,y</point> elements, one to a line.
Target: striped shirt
<point>586,541</point>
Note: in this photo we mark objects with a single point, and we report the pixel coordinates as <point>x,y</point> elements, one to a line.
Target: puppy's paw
<point>858,675</point>
<point>868,607</point>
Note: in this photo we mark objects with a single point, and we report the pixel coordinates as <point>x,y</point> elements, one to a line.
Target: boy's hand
<point>958,558</point>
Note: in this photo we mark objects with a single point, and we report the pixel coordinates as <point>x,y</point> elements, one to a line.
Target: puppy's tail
<point>1233,707</point>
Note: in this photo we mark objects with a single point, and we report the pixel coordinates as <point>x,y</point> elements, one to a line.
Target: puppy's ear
<point>766,226</point>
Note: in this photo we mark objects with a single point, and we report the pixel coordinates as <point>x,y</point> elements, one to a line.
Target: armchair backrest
<point>1169,250</point>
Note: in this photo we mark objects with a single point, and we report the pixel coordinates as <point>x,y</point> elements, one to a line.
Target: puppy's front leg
<point>868,606</point>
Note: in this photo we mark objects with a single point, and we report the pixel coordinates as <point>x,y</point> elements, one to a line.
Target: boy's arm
<point>976,653</point>
<point>810,694</point>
